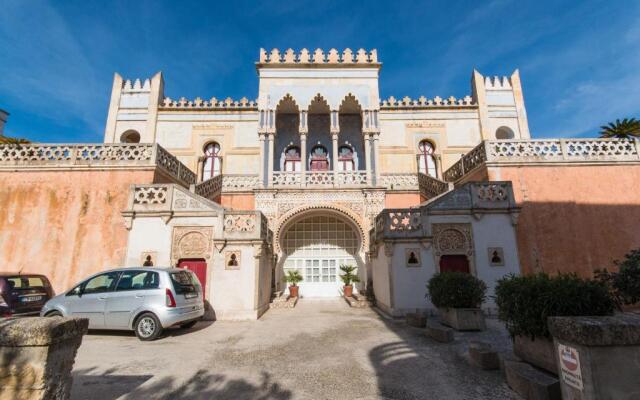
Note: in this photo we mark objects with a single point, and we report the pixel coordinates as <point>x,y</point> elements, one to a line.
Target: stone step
<point>531,383</point>
<point>483,356</point>
<point>439,332</point>
<point>284,301</point>
<point>417,319</point>
<point>357,301</point>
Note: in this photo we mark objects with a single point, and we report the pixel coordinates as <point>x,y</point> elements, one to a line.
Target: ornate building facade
<point>319,153</point>
<point>315,173</point>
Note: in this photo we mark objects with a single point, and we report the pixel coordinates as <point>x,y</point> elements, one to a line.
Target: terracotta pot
<point>348,291</point>
<point>293,291</point>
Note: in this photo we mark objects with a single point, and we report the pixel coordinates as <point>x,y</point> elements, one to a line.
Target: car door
<point>91,298</point>
<point>131,292</point>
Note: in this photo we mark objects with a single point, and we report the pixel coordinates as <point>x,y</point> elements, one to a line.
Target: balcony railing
<point>320,179</point>
<point>39,156</point>
<point>545,151</point>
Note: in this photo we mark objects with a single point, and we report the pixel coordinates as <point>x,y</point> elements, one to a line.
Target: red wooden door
<point>454,263</point>
<point>198,267</point>
<point>319,164</point>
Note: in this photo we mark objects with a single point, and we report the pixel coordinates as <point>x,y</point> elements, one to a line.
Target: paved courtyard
<point>322,349</point>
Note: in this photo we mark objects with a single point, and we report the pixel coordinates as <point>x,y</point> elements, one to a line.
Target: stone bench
<point>37,356</point>
<point>438,332</point>
<point>531,383</point>
<point>483,356</point>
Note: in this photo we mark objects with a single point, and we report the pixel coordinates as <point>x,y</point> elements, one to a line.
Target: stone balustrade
<point>211,188</point>
<point>166,198</point>
<point>544,151</point>
<point>38,156</point>
<point>432,187</point>
<point>320,179</point>
<point>399,223</point>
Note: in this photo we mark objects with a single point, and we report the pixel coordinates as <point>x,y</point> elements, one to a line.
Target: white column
<point>334,146</point>
<point>303,157</point>
<point>261,174</point>
<point>271,138</point>
<point>367,156</point>
<point>376,156</point>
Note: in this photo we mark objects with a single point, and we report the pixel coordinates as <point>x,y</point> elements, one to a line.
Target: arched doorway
<point>316,244</point>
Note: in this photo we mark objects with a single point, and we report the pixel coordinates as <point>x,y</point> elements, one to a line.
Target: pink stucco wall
<point>65,224</point>
<point>574,218</point>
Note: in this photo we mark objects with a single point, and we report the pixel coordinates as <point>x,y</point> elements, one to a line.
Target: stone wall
<point>574,218</point>
<point>37,356</point>
<point>63,223</point>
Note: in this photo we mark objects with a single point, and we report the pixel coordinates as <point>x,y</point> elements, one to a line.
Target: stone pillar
<point>303,129</point>
<point>335,130</point>
<point>37,356</point>
<point>375,136</point>
<point>270,155</point>
<point>261,169</point>
<point>367,157</point>
<point>439,169</point>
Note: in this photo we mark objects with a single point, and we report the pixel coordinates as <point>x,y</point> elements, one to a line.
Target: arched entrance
<point>316,244</point>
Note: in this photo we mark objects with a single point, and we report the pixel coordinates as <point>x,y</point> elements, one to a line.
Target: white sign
<point>570,366</point>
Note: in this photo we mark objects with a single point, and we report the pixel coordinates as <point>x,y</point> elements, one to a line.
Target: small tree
<point>624,284</point>
<point>11,140</point>
<point>628,128</point>
<point>293,277</point>
<point>348,277</point>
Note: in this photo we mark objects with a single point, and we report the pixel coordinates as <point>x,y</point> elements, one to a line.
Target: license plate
<point>190,295</point>
<point>30,299</point>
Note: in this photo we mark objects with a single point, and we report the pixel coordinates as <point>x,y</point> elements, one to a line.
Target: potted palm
<point>348,277</point>
<point>293,277</point>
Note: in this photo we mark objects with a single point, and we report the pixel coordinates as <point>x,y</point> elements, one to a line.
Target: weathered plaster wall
<point>574,218</point>
<point>238,201</point>
<point>65,224</point>
<point>401,200</point>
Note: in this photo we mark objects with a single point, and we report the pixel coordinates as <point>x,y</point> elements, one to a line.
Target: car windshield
<point>25,282</point>
<point>184,282</point>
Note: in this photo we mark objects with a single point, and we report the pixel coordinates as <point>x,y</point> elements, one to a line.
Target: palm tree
<point>628,128</point>
<point>11,140</point>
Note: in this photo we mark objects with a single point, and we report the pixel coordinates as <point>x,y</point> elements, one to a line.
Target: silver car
<point>145,300</point>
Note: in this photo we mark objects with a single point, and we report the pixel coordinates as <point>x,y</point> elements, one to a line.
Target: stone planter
<point>37,356</point>
<point>463,319</point>
<point>538,352</point>
<point>597,357</point>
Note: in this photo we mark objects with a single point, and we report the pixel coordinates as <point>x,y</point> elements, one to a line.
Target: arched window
<point>292,159</point>
<point>345,158</point>
<point>130,136</point>
<point>319,159</point>
<point>504,133</point>
<point>426,160</point>
<point>212,161</point>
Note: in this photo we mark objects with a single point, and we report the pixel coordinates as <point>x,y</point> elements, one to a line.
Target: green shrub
<point>456,290</point>
<point>624,284</point>
<point>525,302</point>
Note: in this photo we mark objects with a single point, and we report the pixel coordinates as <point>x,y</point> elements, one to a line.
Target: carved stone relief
<point>191,242</point>
<point>453,239</point>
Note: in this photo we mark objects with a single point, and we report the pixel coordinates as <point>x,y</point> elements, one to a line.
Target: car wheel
<point>54,314</point>
<point>148,327</point>
<point>188,325</point>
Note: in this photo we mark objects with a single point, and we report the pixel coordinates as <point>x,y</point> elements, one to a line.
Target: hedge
<point>456,290</point>
<point>525,302</point>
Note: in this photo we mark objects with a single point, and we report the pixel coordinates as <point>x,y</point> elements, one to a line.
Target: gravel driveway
<point>322,349</point>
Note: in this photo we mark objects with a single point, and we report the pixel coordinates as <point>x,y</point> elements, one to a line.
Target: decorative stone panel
<point>191,242</point>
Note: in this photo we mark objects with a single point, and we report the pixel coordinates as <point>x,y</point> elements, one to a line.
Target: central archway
<point>316,243</point>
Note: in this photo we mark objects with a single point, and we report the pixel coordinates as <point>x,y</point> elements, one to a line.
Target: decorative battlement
<point>318,57</point>
<point>136,86</point>
<point>423,102</point>
<point>497,83</point>
<point>213,104</point>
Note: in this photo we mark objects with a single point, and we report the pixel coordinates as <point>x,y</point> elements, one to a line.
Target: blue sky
<point>579,60</point>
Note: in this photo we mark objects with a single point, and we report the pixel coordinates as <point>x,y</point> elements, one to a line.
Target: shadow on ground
<point>202,385</point>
